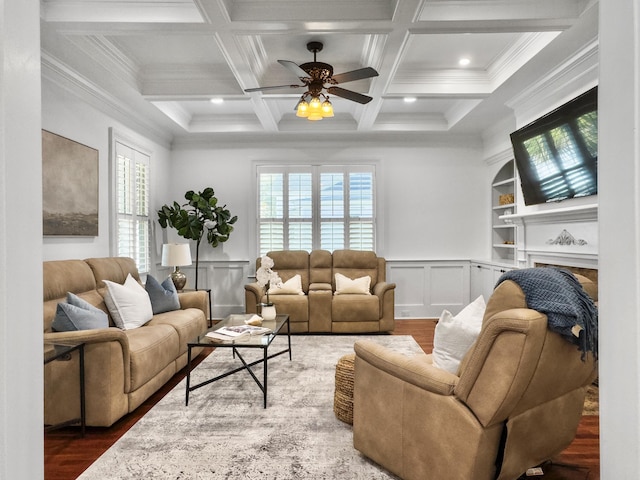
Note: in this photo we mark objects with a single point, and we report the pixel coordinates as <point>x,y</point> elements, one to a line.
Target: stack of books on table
<point>236,333</point>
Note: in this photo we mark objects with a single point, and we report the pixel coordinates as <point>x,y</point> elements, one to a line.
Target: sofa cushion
<point>78,314</point>
<point>60,277</point>
<point>454,335</point>
<point>115,269</point>
<point>289,263</point>
<point>296,306</point>
<point>128,304</point>
<point>320,266</point>
<point>356,264</point>
<point>163,296</point>
<point>151,349</point>
<point>355,308</point>
<point>293,286</point>
<point>346,285</point>
<point>188,324</point>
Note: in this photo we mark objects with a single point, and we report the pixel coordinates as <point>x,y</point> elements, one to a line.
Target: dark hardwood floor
<point>66,455</point>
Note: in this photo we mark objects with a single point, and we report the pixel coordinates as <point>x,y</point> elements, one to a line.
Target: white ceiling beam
<point>309,11</point>
<point>509,10</point>
<point>159,11</point>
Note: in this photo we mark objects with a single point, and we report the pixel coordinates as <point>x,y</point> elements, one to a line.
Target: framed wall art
<point>69,187</point>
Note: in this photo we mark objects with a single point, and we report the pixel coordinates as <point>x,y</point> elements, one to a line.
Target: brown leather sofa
<point>516,401</point>
<point>319,310</point>
<point>122,367</point>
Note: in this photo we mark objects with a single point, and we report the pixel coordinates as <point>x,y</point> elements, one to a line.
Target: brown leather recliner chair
<point>516,401</point>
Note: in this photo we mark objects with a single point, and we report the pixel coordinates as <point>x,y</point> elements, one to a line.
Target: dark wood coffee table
<point>263,342</point>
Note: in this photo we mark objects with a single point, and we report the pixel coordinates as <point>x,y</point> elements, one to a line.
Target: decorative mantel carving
<point>565,238</point>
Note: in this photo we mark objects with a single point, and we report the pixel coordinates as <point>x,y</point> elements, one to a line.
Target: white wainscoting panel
<point>426,287</point>
<point>226,279</point>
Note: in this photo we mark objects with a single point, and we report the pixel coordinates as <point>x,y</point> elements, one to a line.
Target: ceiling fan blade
<point>294,68</point>
<point>274,87</point>
<point>353,75</point>
<point>349,95</point>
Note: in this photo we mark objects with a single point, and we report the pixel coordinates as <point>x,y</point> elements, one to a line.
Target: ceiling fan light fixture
<point>315,105</point>
<point>317,77</point>
<point>303,109</point>
<point>327,109</point>
<point>315,109</point>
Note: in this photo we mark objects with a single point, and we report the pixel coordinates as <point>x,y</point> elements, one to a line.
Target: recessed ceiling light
<point>217,100</point>
<point>410,99</point>
<point>464,61</point>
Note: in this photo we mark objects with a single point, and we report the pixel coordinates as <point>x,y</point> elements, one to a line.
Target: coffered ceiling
<point>163,61</point>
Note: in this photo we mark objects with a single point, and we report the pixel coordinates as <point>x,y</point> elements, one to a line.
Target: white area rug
<point>225,433</point>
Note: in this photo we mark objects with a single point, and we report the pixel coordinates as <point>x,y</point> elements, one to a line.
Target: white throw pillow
<point>454,335</point>
<point>128,304</point>
<point>344,285</point>
<point>293,286</point>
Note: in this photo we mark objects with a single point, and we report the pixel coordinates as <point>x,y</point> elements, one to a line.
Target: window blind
<point>311,207</point>
<point>132,238</point>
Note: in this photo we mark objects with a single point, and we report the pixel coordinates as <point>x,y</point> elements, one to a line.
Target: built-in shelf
<point>504,207</point>
<point>508,181</point>
<point>503,230</point>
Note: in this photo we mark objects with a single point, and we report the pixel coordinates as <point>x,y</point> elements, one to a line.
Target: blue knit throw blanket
<point>559,295</point>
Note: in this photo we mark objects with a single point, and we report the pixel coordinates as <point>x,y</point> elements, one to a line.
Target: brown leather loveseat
<point>318,309</point>
<point>122,367</point>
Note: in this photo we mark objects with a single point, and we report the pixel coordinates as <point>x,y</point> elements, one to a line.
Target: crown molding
<point>105,52</point>
<point>527,47</point>
<point>500,157</point>
<point>578,73</point>
<point>64,77</point>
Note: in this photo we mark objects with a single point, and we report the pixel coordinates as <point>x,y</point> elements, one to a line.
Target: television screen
<point>557,155</point>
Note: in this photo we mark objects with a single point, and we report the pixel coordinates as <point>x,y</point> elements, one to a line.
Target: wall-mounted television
<point>557,154</point>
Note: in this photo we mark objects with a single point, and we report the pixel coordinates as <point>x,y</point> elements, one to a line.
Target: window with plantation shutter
<point>311,207</point>
<point>131,191</point>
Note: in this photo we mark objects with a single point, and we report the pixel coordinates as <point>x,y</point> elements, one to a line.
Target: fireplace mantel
<point>565,236</point>
<point>582,213</point>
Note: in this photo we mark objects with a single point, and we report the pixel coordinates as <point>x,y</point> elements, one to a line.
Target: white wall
<point>65,114</point>
<point>21,413</point>
<point>432,197</point>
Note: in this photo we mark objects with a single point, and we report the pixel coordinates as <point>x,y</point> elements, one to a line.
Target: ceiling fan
<point>316,77</point>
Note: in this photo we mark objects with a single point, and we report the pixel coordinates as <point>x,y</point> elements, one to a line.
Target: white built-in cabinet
<point>484,276</point>
<point>503,232</point>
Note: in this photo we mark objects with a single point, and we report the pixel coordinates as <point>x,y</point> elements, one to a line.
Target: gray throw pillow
<point>78,314</point>
<point>163,296</point>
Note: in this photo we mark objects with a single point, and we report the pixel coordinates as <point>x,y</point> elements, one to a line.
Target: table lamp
<point>176,255</point>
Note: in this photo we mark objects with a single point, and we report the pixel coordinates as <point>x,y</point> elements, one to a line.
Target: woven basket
<point>343,397</point>
<point>506,199</point>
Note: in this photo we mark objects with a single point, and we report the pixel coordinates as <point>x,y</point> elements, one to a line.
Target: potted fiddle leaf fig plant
<point>200,214</point>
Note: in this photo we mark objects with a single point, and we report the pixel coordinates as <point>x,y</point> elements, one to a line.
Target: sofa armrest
<point>253,293</point>
<point>380,288</point>
<point>416,369</point>
<point>195,299</point>
<point>97,335</point>
<point>385,293</point>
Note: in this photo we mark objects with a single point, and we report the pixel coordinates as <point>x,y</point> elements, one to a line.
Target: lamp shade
<point>176,254</point>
